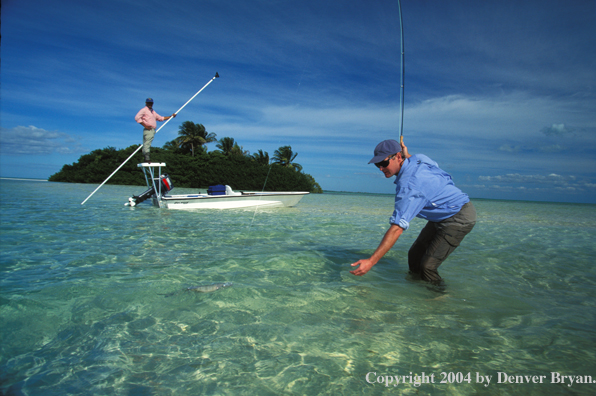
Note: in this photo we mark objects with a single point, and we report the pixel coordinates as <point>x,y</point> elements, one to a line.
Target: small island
<point>190,165</point>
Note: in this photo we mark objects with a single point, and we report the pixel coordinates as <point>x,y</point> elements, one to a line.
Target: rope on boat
<point>263,190</point>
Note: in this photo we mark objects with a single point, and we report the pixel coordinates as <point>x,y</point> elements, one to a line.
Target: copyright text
<point>477,378</point>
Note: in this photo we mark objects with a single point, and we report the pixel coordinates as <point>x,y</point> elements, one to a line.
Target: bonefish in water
<point>209,288</point>
<point>203,288</point>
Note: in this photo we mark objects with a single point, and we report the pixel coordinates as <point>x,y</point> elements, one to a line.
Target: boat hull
<point>218,197</point>
<point>244,200</point>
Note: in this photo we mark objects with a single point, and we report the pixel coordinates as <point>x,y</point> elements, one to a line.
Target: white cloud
<point>545,183</point>
<point>32,140</point>
<point>517,178</point>
<point>509,148</point>
<point>555,129</point>
<point>512,115</point>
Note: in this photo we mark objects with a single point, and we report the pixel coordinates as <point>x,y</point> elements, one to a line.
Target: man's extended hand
<point>364,266</point>
<point>391,236</point>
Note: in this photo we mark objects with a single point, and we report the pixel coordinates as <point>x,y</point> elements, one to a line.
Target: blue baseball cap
<point>384,150</point>
<point>149,100</point>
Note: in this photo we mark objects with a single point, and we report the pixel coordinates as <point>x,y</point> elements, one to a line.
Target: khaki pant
<point>437,241</point>
<point>148,135</point>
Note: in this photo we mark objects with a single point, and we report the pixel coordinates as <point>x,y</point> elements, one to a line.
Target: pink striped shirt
<point>148,117</point>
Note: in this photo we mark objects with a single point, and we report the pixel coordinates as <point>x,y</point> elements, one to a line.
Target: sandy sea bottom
<point>93,299</point>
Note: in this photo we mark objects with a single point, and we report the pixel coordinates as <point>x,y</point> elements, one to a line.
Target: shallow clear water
<point>84,307</point>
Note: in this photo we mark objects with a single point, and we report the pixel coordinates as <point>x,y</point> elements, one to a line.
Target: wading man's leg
<point>437,241</point>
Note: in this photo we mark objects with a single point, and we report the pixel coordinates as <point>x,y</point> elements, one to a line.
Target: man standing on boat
<point>423,190</point>
<point>148,118</point>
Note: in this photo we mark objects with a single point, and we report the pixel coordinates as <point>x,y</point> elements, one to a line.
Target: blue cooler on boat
<point>220,189</point>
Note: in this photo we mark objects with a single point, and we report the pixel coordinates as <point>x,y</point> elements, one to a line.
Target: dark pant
<point>437,241</point>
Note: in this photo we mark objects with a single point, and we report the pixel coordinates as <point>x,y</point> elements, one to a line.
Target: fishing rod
<point>403,70</point>
<point>138,148</point>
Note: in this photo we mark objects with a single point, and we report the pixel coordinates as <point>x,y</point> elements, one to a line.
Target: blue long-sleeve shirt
<point>424,190</point>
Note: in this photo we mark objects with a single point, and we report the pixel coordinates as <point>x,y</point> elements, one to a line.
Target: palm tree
<point>261,157</point>
<point>239,150</point>
<point>228,146</point>
<point>172,145</point>
<point>284,157</point>
<point>193,136</point>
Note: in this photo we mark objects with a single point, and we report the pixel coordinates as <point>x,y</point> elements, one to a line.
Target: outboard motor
<point>166,186</point>
<point>137,199</point>
<point>166,183</point>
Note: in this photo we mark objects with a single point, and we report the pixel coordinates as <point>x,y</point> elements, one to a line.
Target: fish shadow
<point>201,289</point>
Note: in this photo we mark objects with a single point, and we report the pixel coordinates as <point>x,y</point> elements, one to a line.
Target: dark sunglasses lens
<point>383,164</point>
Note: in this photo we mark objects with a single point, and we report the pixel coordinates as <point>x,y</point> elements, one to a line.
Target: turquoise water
<point>84,310</point>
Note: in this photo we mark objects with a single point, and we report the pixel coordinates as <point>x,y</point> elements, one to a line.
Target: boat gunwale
<point>243,195</point>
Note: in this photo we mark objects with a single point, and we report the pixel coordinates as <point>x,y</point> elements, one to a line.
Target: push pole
<point>138,148</point>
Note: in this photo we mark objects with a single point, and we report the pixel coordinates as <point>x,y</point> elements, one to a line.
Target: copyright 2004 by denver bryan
<point>500,377</point>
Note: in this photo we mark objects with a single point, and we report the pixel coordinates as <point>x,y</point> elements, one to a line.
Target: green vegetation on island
<point>190,165</point>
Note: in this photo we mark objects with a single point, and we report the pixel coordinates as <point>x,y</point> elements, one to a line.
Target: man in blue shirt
<point>423,190</point>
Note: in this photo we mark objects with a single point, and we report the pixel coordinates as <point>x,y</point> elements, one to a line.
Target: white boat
<point>218,197</point>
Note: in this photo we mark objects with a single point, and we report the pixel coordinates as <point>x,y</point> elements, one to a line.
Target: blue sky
<point>502,94</point>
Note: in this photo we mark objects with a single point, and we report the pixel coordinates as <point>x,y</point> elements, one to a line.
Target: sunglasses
<point>384,163</point>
